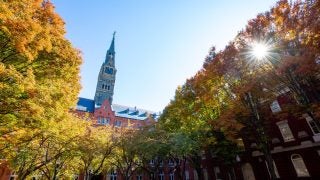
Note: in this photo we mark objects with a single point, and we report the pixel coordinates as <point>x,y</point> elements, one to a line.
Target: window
<point>151,162</point>
<point>171,162</point>
<point>299,166</point>
<point>139,177</point>
<point>313,125</point>
<point>151,175</point>
<point>113,175</point>
<point>161,162</point>
<point>216,170</point>
<point>99,120</point>
<point>107,120</point>
<point>104,120</point>
<point>186,173</point>
<point>203,154</point>
<point>275,169</point>
<point>13,176</point>
<point>317,60</point>
<point>195,175</point>
<point>275,106</point>
<point>161,175</point>
<point>171,176</point>
<point>117,123</point>
<point>205,174</point>
<point>285,131</point>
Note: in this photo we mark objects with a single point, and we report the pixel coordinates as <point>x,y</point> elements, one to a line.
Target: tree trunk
<point>261,135</point>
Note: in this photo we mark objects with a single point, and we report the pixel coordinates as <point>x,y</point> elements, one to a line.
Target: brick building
<point>294,141</point>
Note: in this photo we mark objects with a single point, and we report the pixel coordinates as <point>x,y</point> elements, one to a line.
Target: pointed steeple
<point>111,53</point>
<point>111,48</point>
<point>106,77</point>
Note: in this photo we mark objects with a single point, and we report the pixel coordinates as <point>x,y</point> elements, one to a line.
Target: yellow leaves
<point>39,82</point>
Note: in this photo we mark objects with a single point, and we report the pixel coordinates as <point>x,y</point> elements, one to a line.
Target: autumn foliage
<point>39,84</point>
<point>234,90</point>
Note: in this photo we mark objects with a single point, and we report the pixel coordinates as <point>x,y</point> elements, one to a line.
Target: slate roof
<point>85,105</point>
<point>120,110</point>
<point>132,112</point>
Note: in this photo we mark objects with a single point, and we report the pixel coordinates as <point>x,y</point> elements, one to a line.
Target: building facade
<point>294,142</point>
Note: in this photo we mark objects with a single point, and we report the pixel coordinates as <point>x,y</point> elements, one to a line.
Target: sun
<point>260,50</point>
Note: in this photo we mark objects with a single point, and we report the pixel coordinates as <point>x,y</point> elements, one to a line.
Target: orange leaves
<point>39,82</point>
<point>30,25</point>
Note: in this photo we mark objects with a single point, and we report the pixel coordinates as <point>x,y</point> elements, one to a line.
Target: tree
<point>95,148</point>
<point>39,82</point>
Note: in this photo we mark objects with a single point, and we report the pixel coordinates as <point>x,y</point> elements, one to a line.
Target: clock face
<point>108,70</point>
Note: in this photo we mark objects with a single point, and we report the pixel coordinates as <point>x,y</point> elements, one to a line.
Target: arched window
<point>247,172</point>
<point>102,86</point>
<point>299,166</point>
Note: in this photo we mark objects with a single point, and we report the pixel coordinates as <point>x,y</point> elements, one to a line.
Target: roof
<point>132,112</point>
<point>120,110</point>
<point>85,105</point>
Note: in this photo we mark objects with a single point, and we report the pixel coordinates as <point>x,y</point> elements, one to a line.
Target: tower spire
<point>111,48</point>
<point>106,77</point>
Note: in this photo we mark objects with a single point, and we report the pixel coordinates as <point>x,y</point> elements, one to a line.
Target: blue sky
<point>159,43</point>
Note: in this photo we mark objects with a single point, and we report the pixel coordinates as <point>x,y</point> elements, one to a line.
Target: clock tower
<point>106,77</point>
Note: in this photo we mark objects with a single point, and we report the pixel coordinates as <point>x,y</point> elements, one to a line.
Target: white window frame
<point>313,125</point>
<point>13,175</point>
<point>171,176</point>
<point>285,131</point>
<point>113,175</point>
<point>216,170</point>
<point>275,106</point>
<point>161,175</point>
<point>186,174</point>
<point>299,166</point>
<point>275,169</point>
